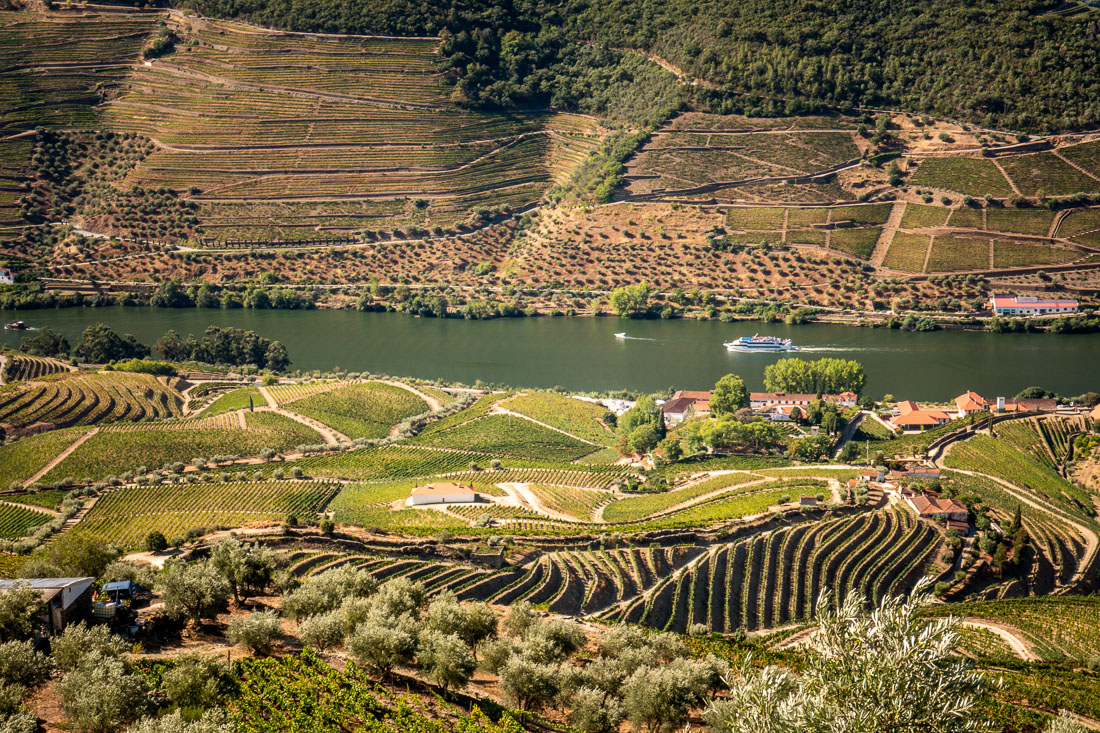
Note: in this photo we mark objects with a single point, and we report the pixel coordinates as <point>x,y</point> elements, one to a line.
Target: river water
<point>583,353</point>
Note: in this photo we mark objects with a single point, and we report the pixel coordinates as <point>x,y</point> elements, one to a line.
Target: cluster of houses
<point>911,416</point>
<point>923,504</point>
<point>775,406</point>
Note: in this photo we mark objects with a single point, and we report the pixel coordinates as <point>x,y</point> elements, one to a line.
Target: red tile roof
<point>925,504</point>
<point>971,402</point>
<point>1026,301</point>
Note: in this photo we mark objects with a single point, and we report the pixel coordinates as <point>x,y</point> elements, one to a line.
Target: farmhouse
<point>872,475</point>
<point>446,492</point>
<point>912,417</point>
<point>932,507</point>
<point>685,404</point>
<point>6,277</point>
<point>970,402</point>
<point>1029,305</point>
<point>68,600</point>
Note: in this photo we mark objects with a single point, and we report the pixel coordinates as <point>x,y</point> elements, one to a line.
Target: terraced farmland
<point>507,435</point>
<point>576,417</point>
<point>22,368</point>
<point>16,521</point>
<point>125,516</point>
<point>361,410</point>
<point>113,452</point>
<point>775,577</point>
<point>22,459</point>
<point>88,399</point>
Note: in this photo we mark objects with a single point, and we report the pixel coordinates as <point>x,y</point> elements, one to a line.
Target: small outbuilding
<point>68,600</point>
<point>446,492</point>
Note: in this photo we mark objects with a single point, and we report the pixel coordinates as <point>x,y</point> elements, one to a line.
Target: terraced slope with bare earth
<point>279,136</point>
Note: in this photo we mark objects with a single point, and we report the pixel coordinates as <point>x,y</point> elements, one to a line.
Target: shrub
<point>256,632</point>
<point>323,630</point>
<point>80,641</point>
<point>101,695</point>
<point>19,609</point>
<point>212,721</point>
<point>155,542</point>
<point>20,664</point>
<point>196,681</point>
<point>446,659</point>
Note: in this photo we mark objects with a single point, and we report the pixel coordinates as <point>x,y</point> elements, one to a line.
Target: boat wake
<point>624,337</point>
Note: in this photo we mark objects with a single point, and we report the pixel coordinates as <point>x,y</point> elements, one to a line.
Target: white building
<point>7,277</point>
<point>1029,305</point>
<point>446,492</point>
<point>67,600</point>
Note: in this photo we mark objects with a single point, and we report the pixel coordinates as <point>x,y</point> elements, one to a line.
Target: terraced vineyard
<point>112,452</point>
<point>22,368</point>
<point>125,516</point>
<point>88,399</point>
<point>582,419</point>
<point>22,459</point>
<point>313,138</point>
<point>1057,628</point>
<point>16,521</point>
<point>361,410</point>
<point>507,435</point>
<point>775,577</point>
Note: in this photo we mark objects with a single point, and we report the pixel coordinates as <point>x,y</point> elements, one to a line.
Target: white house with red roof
<point>911,416</point>
<point>931,507</point>
<point>686,403</point>
<point>1029,305</point>
<point>782,413</point>
<point>970,402</point>
<point>444,492</point>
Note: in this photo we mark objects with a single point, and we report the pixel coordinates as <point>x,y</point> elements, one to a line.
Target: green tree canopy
<point>822,376</point>
<point>730,395</point>
<point>631,301</point>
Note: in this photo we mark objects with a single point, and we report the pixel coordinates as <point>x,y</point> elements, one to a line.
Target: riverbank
<point>582,354</point>
<point>508,302</point>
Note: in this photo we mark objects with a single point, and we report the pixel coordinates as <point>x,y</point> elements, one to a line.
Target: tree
<point>174,347</point>
<point>382,644</point>
<point>643,438</point>
<point>21,665</point>
<point>46,342</point>
<point>445,658</point>
<point>169,294</point>
<point>276,358</point>
<point>323,630</point>
<point>79,641</point>
<point>101,695</point>
<point>730,395</point>
<point>100,344</point>
<point>830,422</point>
<point>256,632</point>
<point>631,301</point>
<point>470,622</point>
<point>194,681</point>
<point>195,591</point>
<point>829,376</point>
<point>247,568</point>
<point>528,685</point>
<point>889,671</point>
<point>593,712</point>
<point>20,607</point>
<point>155,542</point>
<point>326,591</point>
<point>74,555</point>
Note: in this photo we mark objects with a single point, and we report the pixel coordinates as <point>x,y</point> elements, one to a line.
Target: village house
<point>872,475</point>
<point>931,507</point>
<point>1029,305</point>
<point>685,404</point>
<point>67,600</point>
<point>7,277</point>
<point>445,492</point>
<point>971,402</point>
<point>912,416</point>
<point>782,413</point>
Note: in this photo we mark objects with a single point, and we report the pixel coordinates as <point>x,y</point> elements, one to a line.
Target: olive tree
<point>888,671</point>
<point>528,685</point>
<point>325,592</point>
<point>101,695</point>
<point>593,711</point>
<point>470,622</point>
<point>194,591</point>
<point>382,644</point>
<point>323,630</point>
<point>445,658</point>
<point>196,681</point>
<point>21,665</point>
<point>79,641</point>
<point>247,568</point>
<point>20,606</point>
<point>256,631</point>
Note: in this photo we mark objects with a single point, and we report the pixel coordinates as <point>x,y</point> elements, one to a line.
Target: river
<point>583,353</point>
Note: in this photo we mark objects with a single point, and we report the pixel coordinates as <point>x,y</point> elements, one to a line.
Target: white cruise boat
<point>760,343</point>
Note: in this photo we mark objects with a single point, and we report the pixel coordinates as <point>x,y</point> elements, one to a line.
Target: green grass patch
<point>1046,173</point>
<point>868,214</point>
<point>579,418</point>
<point>755,218</point>
<point>1019,221</point>
<point>27,456</point>
<point>967,218</point>
<point>507,435</point>
<point>1021,254</point>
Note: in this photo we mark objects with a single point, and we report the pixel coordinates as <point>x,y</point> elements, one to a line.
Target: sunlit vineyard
<point>125,516</point>
<point>16,521</point>
<point>1057,628</point>
<point>21,368</point>
<point>88,399</point>
<point>582,419</point>
<point>361,410</point>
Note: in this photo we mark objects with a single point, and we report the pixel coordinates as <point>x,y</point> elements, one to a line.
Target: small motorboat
<point>15,326</point>
<point>621,336</point>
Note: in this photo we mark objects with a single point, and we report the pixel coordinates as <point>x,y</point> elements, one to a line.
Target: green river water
<point>583,353</point>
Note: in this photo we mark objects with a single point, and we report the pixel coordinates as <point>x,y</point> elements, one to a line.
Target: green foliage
<point>19,609</point>
<point>99,344</point>
<point>631,301</point>
<point>101,695</point>
<point>822,376</point>
<point>730,395</point>
<point>79,642</point>
<point>257,632</point>
<point>194,591</point>
<point>362,410</point>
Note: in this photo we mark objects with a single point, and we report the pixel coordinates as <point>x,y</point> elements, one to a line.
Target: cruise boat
<point>760,343</point>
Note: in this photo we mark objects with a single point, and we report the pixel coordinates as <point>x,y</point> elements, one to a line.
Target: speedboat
<point>760,343</point>
<point>621,335</point>
<point>15,326</point>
